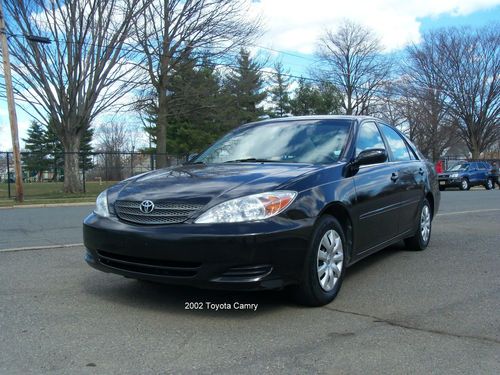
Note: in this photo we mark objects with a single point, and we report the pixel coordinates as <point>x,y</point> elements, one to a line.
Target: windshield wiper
<point>250,160</point>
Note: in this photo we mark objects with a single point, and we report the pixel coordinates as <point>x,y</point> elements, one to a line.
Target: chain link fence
<point>43,174</point>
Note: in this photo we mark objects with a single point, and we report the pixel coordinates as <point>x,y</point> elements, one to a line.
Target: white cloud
<point>5,136</point>
<point>5,139</point>
<point>295,25</point>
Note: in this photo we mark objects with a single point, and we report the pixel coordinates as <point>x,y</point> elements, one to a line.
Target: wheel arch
<point>340,212</point>
<point>430,198</point>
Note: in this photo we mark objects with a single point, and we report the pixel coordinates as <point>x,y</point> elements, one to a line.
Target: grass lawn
<point>51,192</point>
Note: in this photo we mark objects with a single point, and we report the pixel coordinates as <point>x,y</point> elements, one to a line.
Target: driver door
<point>377,195</point>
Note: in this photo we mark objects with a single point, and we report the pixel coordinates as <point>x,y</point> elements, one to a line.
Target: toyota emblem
<point>147,206</point>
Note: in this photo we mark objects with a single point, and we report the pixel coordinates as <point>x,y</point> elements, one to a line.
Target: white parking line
<point>468,212</point>
<point>40,247</point>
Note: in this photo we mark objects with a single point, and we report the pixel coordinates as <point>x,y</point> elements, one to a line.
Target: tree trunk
<point>72,183</point>
<point>348,110</point>
<point>475,147</point>
<point>161,130</point>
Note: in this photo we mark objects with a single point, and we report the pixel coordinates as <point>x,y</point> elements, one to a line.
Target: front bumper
<point>260,255</point>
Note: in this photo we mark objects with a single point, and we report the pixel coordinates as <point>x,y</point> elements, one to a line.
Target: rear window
<point>486,165</point>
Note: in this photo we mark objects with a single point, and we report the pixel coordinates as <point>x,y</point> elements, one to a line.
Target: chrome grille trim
<point>165,212</point>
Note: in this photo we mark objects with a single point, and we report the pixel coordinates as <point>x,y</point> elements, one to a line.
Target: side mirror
<point>370,156</point>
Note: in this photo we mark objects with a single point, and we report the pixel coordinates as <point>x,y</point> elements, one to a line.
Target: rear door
<point>376,194</point>
<point>474,173</point>
<point>410,178</point>
<point>483,170</point>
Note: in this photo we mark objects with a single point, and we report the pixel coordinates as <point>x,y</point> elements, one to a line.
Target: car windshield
<point>294,141</point>
<point>459,167</point>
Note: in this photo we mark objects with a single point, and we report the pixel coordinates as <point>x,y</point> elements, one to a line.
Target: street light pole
<point>12,108</point>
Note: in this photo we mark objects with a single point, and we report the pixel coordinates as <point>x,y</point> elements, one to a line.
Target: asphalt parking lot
<point>435,311</point>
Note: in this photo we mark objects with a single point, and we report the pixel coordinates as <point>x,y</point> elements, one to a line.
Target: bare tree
<point>81,73</point>
<point>388,105</point>
<point>425,103</point>
<point>171,30</point>
<point>429,124</point>
<point>113,139</point>
<point>469,70</point>
<point>352,60</point>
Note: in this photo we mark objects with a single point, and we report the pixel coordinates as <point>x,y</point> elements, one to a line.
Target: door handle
<point>394,176</point>
<point>421,171</point>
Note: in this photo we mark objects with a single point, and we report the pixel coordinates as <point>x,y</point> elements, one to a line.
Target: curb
<point>45,247</point>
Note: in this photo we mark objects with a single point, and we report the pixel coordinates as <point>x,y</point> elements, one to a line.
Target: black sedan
<point>288,202</point>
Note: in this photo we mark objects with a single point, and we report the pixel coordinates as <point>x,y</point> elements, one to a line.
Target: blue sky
<point>476,19</point>
<point>293,27</point>
<point>298,63</point>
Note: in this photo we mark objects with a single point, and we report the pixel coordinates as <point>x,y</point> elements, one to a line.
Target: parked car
<point>465,175</point>
<point>277,203</point>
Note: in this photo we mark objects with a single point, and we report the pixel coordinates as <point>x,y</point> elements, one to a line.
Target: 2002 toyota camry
<point>287,202</point>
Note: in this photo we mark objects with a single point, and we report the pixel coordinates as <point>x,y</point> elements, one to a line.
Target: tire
<point>319,288</point>
<point>422,236</point>
<point>489,184</point>
<point>464,184</point>
<point>442,188</point>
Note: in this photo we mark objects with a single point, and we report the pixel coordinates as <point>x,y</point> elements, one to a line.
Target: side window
<point>396,144</point>
<point>473,166</point>
<point>368,137</point>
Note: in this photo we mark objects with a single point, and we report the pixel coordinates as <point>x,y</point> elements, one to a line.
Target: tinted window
<point>368,137</point>
<point>311,141</point>
<point>396,144</point>
<point>485,165</point>
<point>473,166</point>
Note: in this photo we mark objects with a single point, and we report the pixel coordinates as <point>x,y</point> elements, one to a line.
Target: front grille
<point>149,266</point>
<point>165,212</point>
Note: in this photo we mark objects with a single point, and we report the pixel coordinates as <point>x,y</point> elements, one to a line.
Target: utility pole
<point>12,108</point>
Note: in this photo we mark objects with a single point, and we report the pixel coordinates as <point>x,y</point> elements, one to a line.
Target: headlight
<point>101,204</point>
<point>454,175</point>
<point>249,208</point>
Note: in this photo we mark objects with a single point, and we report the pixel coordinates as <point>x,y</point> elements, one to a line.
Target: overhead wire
<point>268,70</point>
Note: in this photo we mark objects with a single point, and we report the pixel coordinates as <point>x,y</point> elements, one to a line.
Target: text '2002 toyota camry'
<point>279,203</point>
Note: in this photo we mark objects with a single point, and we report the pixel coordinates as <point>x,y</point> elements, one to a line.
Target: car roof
<point>322,117</point>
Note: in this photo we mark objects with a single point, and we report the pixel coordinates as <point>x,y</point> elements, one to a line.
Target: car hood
<point>203,183</point>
